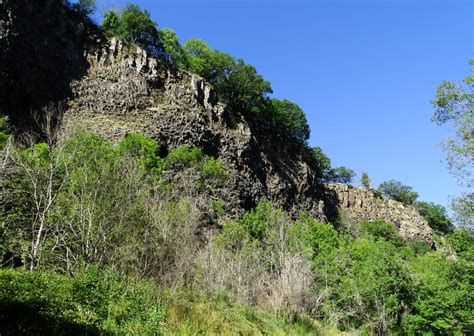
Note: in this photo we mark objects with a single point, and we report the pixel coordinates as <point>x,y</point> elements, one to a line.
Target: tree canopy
<point>134,25</point>
<point>454,104</point>
<point>399,192</point>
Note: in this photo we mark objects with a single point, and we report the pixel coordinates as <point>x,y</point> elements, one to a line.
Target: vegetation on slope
<point>125,209</point>
<point>123,239</point>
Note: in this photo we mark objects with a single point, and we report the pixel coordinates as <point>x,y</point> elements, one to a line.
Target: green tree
<point>454,104</point>
<point>321,162</point>
<point>171,46</point>
<point>436,216</point>
<point>85,7</point>
<point>341,175</point>
<point>365,180</point>
<point>238,84</point>
<point>134,25</point>
<point>444,300</point>
<point>291,120</point>
<point>399,192</point>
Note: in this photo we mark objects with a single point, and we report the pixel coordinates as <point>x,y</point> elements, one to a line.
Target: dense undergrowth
<point>128,226</point>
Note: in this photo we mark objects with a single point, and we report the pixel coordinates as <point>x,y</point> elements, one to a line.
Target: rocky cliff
<point>360,204</point>
<point>109,88</point>
<point>126,91</point>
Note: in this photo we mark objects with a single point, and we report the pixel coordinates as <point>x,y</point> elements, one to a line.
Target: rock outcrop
<point>50,55</point>
<point>127,91</point>
<point>360,204</point>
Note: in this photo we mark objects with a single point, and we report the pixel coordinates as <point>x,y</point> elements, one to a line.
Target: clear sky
<point>363,71</point>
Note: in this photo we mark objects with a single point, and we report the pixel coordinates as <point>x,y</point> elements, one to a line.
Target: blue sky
<point>363,71</point>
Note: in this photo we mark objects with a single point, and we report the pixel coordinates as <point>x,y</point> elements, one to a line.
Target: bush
<point>183,157</point>
<point>213,170</point>
<point>444,297</point>
<point>4,137</point>
<point>91,302</point>
<point>380,229</point>
<point>436,216</point>
<point>399,192</point>
<point>142,148</point>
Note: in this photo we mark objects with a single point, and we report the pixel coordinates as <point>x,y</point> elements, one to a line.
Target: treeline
<point>87,205</point>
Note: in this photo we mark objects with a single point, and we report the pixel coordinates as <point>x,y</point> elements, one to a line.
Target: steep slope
<point>109,88</point>
<point>127,91</point>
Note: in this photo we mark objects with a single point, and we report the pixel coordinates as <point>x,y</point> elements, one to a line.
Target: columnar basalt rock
<point>49,54</point>
<point>360,204</point>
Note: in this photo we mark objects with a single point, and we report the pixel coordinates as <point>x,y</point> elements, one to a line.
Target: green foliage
<point>320,162</point>
<point>257,221</point>
<point>91,302</point>
<point>444,299</point>
<point>399,192</point>
<point>290,119</point>
<point>340,175</point>
<point>134,25</point>
<point>213,170</point>
<point>174,53</point>
<point>85,7</point>
<point>142,148</point>
<point>462,242</point>
<point>463,207</point>
<point>380,229</point>
<point>436,216</point>
<point>454,104</point>
<point>183,157</point>
<point>238,84</point>
<point>365,180</point>
<point>4,136</point>
<point>243,90</point>
<point>79,199</point>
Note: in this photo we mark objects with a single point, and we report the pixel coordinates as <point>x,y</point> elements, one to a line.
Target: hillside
<point>115,91</point>
<point>124,171</point>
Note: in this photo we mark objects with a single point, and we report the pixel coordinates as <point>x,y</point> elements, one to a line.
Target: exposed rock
<point>50,54</point>
<point>126,91</point>
<point>360,204</point>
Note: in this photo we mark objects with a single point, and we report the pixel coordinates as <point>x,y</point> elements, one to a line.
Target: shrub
<point>142,148</point>
<point>379,229</point>
<point>213,170</point>
<point>4,137</point>
<point>183,157</point>
<point>436,216</point>
<point>399,192</point>
<point>91,302</point>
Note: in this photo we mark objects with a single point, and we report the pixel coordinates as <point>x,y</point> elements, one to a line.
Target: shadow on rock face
<point>42,50</point>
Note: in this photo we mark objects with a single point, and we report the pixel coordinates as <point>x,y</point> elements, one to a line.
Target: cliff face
<point>108,88</point>
<point>126,91</point>
<point>360,204</point>
<point>42,48</point>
